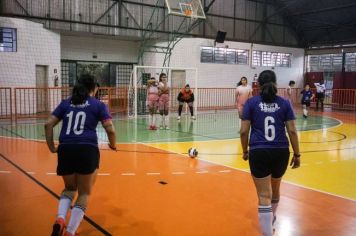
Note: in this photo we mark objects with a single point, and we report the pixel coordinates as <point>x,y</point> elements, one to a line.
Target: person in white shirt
<point>243,92</point>
<point>320,95</point>
<point>289,91</point>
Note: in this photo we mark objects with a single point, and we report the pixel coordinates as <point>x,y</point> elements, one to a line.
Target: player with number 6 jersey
<point>78,152</point>
<point>268,116</point>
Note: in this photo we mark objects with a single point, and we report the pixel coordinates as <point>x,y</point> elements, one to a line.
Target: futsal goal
<point>177,79</point>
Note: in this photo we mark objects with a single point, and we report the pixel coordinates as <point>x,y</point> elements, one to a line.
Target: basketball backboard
<point>187,8</point>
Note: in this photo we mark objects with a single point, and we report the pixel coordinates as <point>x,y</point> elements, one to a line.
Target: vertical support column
<point>196,93</point>
<point>135,91</point>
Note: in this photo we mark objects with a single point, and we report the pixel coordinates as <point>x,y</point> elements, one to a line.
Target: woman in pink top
<point>243,92</point>
<point>163,100</point>
<point>152,102</point>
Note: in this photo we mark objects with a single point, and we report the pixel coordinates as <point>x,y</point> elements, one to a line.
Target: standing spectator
<point>320,95</point>
<point>243,92</point>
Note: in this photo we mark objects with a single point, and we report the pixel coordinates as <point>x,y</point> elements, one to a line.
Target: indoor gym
<point>150,186</point>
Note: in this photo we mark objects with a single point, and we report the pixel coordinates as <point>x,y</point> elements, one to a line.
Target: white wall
<point>35,46</point>
<point>113,50</point>
<point>187,54</point>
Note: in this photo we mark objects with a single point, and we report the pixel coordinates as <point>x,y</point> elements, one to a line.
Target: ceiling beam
<point>327,9</point>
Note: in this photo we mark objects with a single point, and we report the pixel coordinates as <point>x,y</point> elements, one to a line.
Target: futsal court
<point>151,186</point>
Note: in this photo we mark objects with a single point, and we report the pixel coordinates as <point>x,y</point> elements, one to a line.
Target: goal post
<point>177,77</point>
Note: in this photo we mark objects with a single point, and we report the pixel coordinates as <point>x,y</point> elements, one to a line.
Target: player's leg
<point>191,109</point>
<point>265,214</point>
<point>64,204</point>
<point>161,112</point>
<point>305,111</point>
<point>66,170</point>
<point>85,183</point>
<point>166,111</point>
<point>260,169</point>
<point>279,165</point>
<point>87,165</point>
<point>154,113</point>
<point>180,108</point>
<point>322,102</point>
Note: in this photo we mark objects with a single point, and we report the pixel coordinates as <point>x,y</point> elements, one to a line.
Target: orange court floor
<point>153,189</point>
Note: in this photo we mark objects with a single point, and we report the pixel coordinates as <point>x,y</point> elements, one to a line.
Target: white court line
<point>128,174</point>
<point>51,173</point>
<point>319,162</point>
<point>202,172</point>
<point>5,172</point>
<point>224,171</point>
<point>178,173</point>
<point>154,173</point>
<point>30,172</point>
<point>246,171</point>
<point>104,174</point>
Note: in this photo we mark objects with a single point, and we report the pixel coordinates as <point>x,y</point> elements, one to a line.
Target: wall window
<point>8,40</point>
<point>350,61</point>
<point>271,59</point>
<point>324,62</point>
<point>223,55</point>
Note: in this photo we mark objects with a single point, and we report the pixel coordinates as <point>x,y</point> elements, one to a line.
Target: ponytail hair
<point>81,90</point>
<point>267,82</point>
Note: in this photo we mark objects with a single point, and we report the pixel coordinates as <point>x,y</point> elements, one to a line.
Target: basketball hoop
<point>188,12</point>
<point>186,8</point>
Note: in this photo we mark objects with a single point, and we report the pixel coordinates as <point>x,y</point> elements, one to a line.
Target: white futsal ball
<point>193,152</point>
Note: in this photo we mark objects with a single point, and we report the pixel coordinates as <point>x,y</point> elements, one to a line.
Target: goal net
<point>177,79</point>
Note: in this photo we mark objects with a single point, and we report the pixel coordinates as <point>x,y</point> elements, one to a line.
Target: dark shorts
<point>269,161</point>
<point>320,96</point>
<point>77,159</point>
<point>307,103</point>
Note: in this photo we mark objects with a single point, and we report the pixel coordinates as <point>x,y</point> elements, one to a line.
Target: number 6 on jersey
<point>270,131</point>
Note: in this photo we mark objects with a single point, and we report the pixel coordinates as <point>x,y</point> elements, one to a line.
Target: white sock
<point>150,119</point>
<point>63,206</point>
<point>75,219</point>
<point>166,120</point>
<point>153,119</point>
<point>265,217</point>
<point>305,111</point>
<point>162,120</point>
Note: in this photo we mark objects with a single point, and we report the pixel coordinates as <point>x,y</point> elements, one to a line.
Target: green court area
<point>208,126</point>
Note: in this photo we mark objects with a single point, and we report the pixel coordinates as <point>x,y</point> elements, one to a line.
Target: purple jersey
<point>306,95</point>
<point>80,121</point>
<point>268,122</point>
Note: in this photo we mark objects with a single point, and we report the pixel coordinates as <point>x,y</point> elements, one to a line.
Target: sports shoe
<point>58,227</point>
<point>305,116</point>
<point>154,127</point>
<point>161,127</point>
<point>178,118</point>
<point>166,127</point>
<point>193,117</point>
<point>150,127</point>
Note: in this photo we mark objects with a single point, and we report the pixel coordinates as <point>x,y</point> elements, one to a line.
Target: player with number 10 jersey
<point>80,121</point>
